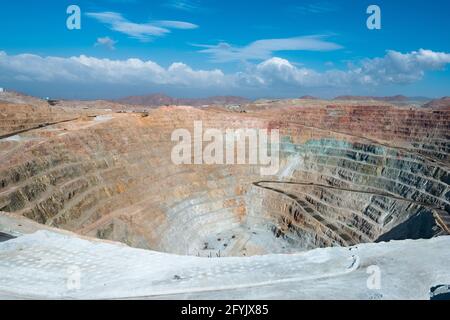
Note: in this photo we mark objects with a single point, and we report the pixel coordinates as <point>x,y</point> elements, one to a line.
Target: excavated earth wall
<point>348,174</point>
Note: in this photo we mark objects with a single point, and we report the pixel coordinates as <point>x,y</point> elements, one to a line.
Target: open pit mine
<point>93,207</point>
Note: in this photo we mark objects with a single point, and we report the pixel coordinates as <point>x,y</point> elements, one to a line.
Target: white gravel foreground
<point>49,265</point>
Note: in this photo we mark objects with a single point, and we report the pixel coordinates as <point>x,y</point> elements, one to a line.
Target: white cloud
<point>184,5</point>
<point>264,49</point>
<point>274,73</point>
<point>393,68</point>
<point>176,24</point>
<point>106,42</point>
<point>279,72</point>
<point>84,69</point>
<point>140,31</point>
<point>318,7</point>
<point>396,67</point>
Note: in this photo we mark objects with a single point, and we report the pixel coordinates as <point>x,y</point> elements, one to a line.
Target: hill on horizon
<point>396,98</point>
<point>444,102</point>
<point>159,99</point>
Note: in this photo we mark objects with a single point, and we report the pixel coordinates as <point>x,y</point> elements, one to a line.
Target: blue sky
<point>196,48</point>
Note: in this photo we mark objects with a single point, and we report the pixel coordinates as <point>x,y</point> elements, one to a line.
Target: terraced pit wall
<point>348,175</point>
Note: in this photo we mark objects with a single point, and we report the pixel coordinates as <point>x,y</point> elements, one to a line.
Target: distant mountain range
<point>309,98</point>
<point>162,100</point>
<point>157,100</point>
<point>397,98</point>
